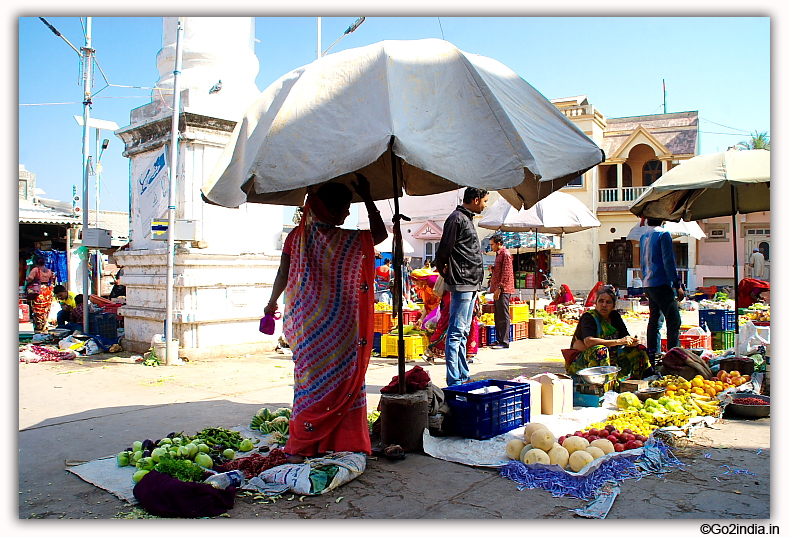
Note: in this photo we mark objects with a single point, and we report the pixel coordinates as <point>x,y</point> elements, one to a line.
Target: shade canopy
<point>677,229</point>
<point>387,245</point>
<point>706,186</point>
<point>455,119</point>
<point>558,213</point>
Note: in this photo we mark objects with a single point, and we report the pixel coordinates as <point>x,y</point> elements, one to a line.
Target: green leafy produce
<point>180,469</point>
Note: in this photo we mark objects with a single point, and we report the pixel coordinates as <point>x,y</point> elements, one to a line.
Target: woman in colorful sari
<point>602,339</point>
<point>592,297</point>
<point>437,341</point>
<point>327,274</point>
<point>40,302</point>
<point>424,281</point>
<point>564,296</point>
<point>750,290</point>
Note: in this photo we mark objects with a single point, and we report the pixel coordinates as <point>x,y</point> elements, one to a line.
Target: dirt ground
<point>91,408</point>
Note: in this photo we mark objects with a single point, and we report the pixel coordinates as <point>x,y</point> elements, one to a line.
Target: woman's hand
<point>270,308</point>
<point>362,187</point>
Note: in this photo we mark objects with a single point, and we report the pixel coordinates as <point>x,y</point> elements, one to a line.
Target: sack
<point>267,322</point>
<point>439,287</point>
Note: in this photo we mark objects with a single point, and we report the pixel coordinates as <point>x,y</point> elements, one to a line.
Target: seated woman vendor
<point>602,339</point>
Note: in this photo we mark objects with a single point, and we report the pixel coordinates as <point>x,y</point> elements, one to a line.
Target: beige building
<point>638,151</point>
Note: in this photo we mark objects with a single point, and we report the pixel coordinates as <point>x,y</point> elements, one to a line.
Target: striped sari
<point>328,322</point>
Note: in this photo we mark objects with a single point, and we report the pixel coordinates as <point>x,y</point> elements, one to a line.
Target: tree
<point>759,140</point>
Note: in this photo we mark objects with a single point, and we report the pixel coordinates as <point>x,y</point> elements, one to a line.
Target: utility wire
<point>55,31</point>
<point>726,126</point>
<point>441,27</point>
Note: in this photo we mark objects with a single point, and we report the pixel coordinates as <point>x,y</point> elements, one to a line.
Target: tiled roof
<point>677,131</point>
<point>116,221</point>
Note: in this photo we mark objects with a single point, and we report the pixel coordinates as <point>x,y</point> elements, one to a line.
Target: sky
<point>619,63</point>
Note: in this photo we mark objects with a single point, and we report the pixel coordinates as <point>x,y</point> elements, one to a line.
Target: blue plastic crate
<point>717,320</point>
<point>485,415</point>
<point>491,335</point>
<point>377,342</point>
<point>103,324</point>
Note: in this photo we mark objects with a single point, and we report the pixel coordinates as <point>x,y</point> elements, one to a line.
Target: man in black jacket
<point>459,261</point>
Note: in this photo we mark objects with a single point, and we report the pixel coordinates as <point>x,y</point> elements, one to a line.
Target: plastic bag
<point>749,338</point>
<point>439,287</point>
<point>91,347</point>
<point>267,322</point>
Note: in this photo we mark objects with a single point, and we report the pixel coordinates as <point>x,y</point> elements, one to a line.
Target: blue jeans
<point>461,311</point>
<point>662,300</point>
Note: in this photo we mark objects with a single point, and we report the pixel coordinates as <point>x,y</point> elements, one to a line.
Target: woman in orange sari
<point>424,281</point>
<point>41,301</point>
<point>327,274</point>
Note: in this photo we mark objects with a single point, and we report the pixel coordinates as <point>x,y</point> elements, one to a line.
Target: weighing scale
<point>594,382</point>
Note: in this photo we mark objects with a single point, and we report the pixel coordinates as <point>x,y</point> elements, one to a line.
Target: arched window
<point>627,176</point>
<point>651,172</point>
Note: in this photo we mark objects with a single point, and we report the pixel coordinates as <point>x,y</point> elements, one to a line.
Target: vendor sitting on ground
<point>750,290</point>
<point>564,296</point>
<point>77,314</point>
<point>592,297</point>
<point>67,304</point>
<point>602,339</point>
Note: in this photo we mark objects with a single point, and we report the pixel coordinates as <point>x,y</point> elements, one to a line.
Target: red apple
<point>619,447</point>
<point>628,431</point>
<point>562,439</point>
<point>610,428</point>
<point>641,438</point>
<point>592,438</point>
<point>594,432</point>
<point>639,443</point>
<point>630,437</point>
<point>603,433</point>
<point>578,433</point>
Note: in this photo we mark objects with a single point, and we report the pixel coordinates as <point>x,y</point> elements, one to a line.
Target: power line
<point>441,27</point>
<point>80,102</point>
<point>723,133</point>
<point>726,126</point>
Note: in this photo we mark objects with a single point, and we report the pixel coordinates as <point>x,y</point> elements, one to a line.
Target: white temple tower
<point>223,274</point>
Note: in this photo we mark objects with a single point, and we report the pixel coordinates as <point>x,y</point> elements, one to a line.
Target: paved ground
<point>91,408</point>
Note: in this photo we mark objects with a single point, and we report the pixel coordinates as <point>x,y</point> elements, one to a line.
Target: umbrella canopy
<point>706,186</point>
<point>558,213</point>
<point>387,245</point>
<point>456,119</point>
<point>677,229</point>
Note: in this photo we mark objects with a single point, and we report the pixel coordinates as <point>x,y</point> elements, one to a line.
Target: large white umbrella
<point>387,245</point>
<point>707,186</point>
<point>420,117</point>
<point>558,213</point>
<point>677,229</point>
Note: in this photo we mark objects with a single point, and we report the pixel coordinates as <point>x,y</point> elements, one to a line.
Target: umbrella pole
<point>536,270</point>
<point>736,275</point>
<point>398,268</point>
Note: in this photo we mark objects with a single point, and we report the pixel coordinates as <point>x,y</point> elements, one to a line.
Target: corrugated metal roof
<point>39,214</point>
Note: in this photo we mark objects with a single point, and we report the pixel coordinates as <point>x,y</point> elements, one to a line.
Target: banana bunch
<point>707,405</point>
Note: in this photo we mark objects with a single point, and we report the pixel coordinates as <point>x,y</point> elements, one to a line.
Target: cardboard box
<point>632,385</point>
<point>535,400</point>
<point>556,393</point>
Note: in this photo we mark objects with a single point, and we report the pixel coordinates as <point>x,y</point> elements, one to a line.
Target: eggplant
<point>156,442</point>
<point>147,445</point>
<point>146,453</point>
<point>171,436</point>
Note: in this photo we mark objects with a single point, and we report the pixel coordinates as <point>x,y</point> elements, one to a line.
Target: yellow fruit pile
<point>382,306</point>
<point>678,386</point>
<point>487,319</point>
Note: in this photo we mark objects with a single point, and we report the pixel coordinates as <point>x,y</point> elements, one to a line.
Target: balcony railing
<point>627,194</point>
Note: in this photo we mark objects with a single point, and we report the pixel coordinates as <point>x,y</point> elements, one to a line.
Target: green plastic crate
<point>722,340</point>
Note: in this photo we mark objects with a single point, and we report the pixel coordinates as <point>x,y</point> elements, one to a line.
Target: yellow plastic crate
<point>414,345</point>
<point>519,313</point>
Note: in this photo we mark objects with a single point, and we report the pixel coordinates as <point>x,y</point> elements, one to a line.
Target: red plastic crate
<point>550,308</point>
<point>24,313</point>
<point>690,342</point>
<point>489,308</point>
<point>410,316</point>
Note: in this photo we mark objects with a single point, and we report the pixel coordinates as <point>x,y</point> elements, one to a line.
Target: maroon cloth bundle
<point>165,496</point>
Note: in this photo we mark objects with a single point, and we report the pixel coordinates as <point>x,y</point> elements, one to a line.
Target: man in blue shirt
<point>661,285</point>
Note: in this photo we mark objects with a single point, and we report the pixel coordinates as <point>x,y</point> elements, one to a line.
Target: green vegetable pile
<point>182,456</point>
<point>274,423</point>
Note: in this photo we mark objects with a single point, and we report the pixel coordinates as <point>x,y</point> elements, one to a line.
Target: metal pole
<point>398,267</point>
<point>86,102</point>
<point>98,252</point>
<point>736,274</point>
<point>168,321</point>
